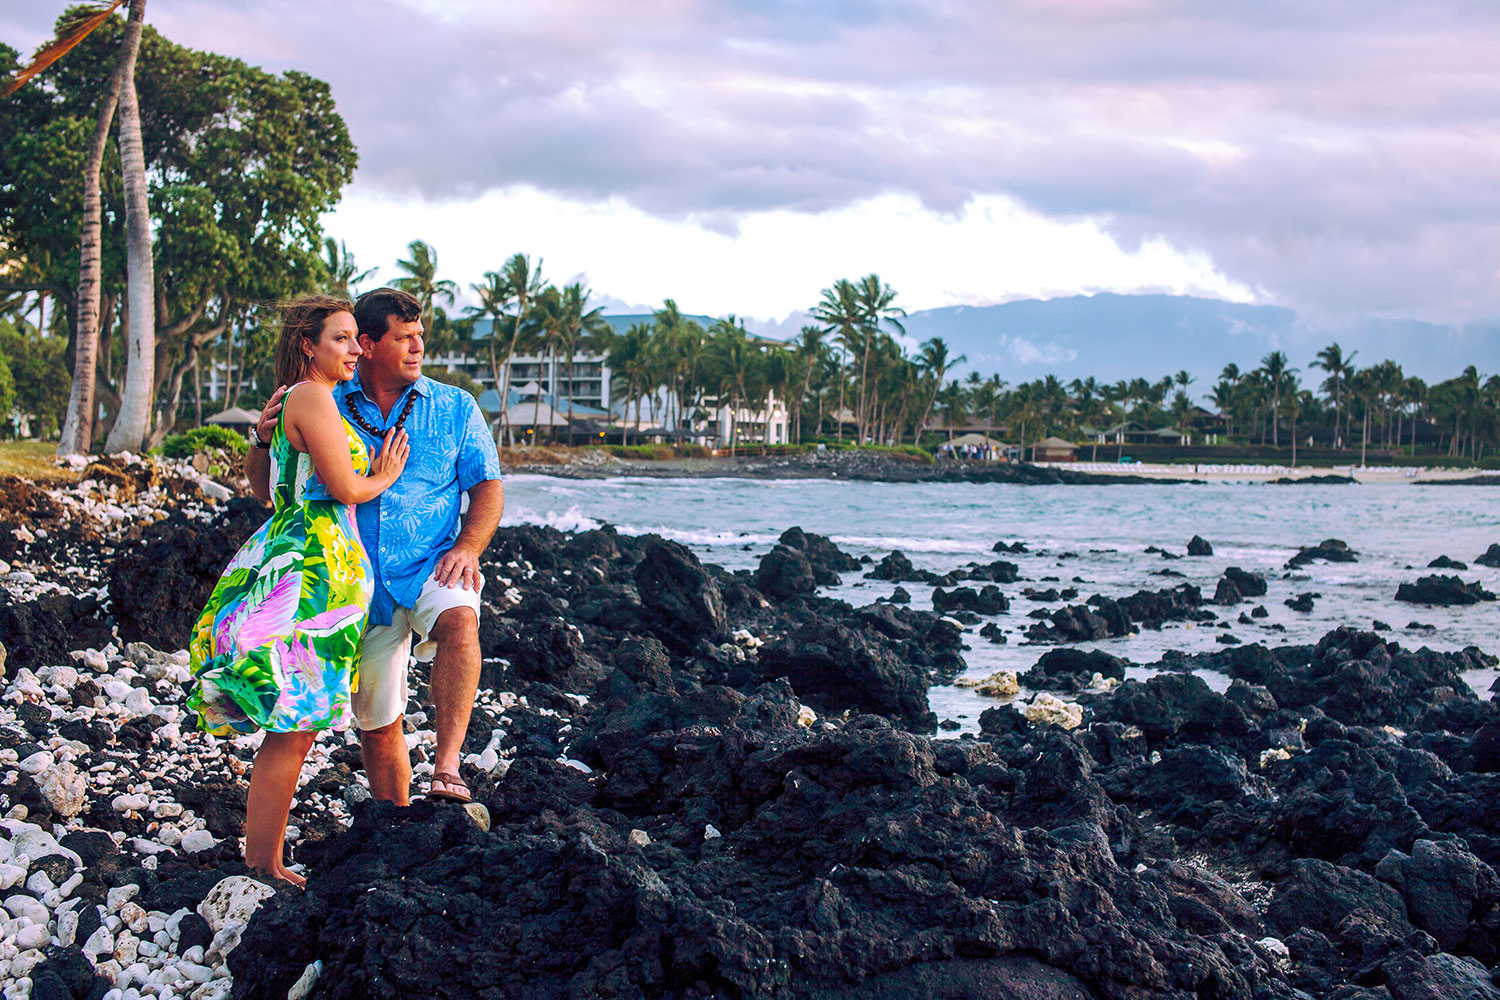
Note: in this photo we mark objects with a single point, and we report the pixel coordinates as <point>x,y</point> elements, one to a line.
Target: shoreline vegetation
<point>888,465</point>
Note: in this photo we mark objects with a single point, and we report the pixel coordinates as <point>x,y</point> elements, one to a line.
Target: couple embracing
<point>365,461</point>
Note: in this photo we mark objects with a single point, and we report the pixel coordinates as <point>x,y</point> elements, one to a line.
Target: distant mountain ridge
<point>1112,336</point>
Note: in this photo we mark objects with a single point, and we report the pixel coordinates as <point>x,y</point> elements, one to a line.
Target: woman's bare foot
<point>282,873</point>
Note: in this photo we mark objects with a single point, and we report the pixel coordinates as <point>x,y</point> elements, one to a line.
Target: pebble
<point>33,936</point>
<point>195,841</point>
<point>119,896</point>
<point>101,942</point>
<point>195,972</point>
<point>26,908</point>
<point>11,875</point>
<point>64,789</point>
<point>67,927</point>
<point>305,983</point>
<point>138,702</point>
<point>134,917</point>
<point>36,763</point>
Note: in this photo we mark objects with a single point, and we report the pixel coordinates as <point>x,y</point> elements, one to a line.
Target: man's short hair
<point>374,309</point>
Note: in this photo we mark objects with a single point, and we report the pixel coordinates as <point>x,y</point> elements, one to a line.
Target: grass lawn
<point>32,460</point>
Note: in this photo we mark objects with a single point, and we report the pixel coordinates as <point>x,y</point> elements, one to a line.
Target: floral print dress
<point>277,647</point>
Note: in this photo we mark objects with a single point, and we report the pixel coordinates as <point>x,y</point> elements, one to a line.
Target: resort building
<point>586,381</point>
<point>708,422</point>
<point>1052,449</point>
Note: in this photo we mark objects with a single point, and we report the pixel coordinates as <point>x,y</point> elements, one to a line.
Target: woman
<point>277,647</point>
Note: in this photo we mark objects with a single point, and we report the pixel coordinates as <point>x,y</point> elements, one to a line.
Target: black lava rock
<point>1329,550</point>
<point>1442,590</point>
<point>1072,669</point>
<point>833,668</point>
<point>985,601</point>
<point>683,600</point>
<point>1237,585</point>
<point>1197,546</point>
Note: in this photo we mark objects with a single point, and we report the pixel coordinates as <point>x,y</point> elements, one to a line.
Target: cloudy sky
<point>1340,157</point>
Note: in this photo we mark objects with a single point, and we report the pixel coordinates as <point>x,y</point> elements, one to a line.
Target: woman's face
<point>333,357</point>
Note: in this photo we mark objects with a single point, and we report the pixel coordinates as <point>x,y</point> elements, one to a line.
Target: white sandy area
<point>1265,473</point>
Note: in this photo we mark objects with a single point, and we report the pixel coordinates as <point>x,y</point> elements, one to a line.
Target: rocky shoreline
<point>850,465</point>
<point>711,784</point>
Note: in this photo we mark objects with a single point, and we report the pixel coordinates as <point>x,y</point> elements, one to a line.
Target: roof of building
<point>234,415</point>
<point>975,439</point>
<point>489,402</point>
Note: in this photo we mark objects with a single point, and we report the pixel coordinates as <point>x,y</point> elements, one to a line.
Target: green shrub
<point>642,452</point>
<point>210,437</point>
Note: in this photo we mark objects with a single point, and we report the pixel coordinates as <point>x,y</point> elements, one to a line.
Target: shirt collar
<point>423,385</point>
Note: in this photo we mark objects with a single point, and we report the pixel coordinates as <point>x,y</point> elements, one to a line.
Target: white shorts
<point>387,651</point>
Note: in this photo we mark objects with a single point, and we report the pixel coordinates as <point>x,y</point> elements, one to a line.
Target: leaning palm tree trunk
<point>78,424</point>
<point>134,419</point>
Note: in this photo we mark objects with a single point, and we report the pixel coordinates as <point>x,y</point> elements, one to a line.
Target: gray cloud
<point>1339,156</point>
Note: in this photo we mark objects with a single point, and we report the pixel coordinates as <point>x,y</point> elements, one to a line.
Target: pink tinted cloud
<point>1338,155</point>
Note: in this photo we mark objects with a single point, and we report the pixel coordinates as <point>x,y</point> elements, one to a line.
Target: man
<point>426,559</point>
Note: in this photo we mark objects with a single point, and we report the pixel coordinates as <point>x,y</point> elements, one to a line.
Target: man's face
<point>397,355</point>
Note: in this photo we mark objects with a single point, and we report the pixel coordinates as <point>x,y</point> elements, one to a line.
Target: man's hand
<point>266,426</point>
<point>458,567</point>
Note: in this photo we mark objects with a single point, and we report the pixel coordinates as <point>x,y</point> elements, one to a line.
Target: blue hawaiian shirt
<point>407,528</point>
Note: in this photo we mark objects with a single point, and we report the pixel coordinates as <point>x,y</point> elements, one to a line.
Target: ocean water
<point>1089,537</point>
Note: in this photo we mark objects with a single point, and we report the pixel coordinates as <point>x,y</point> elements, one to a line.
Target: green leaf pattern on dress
<point>277,647</point>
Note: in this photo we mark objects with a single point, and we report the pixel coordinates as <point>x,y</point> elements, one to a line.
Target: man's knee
<point>378,738</point>
<point>456,624</point>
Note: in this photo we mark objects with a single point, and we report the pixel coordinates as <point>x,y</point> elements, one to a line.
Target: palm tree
<point>935,364</point>
<point>1182,413</point>
<point>954,401</point>
<point>581,326</point>
<point>343,274</point>
<point>1297,403</point>
<point>494,295</point>
<point>1223,397</point>
<point>133,420</point>
<point>1339,367</point>
<point>730,366</point>
<point>806,349</point>
<point>523,283</point>
<point>78,423</point>
<point>627,359</point>
<point>548,331</point>
<point>422,281</point>
<point>1276,369</point>
<point>1414,393</point>
<point>876,305</point>
<point>840,313</point>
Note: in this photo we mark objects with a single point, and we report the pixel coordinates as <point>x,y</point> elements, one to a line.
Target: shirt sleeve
<point>477,458</point>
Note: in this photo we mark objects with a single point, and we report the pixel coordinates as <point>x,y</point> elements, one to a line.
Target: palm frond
<point>70,33</point>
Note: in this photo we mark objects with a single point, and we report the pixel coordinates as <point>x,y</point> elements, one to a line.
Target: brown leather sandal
<point>454,789</point>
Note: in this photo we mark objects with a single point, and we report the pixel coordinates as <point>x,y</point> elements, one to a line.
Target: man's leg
<point>387,763</point>
<point>455,681</point>
<point>379,707</point>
